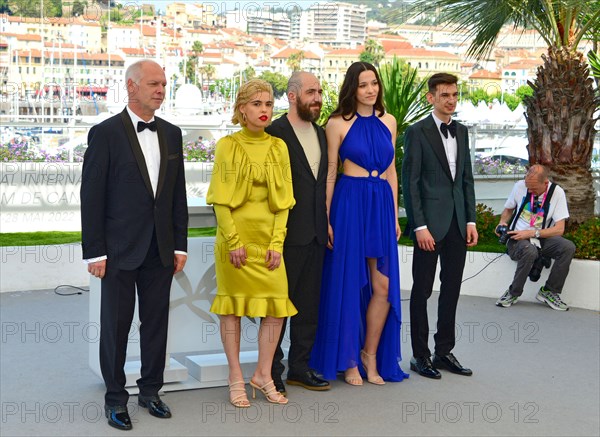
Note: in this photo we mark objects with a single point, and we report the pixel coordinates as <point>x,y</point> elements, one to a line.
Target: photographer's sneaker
<point>552,299</point>
<point>507,299</point>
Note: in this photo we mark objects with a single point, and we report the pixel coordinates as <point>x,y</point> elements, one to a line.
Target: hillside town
<point>85,51</point>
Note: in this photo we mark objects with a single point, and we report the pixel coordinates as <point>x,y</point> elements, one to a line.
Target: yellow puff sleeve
<point>228,187</point>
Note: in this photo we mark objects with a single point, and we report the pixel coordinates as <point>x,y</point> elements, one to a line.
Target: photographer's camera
<point>502,230</point>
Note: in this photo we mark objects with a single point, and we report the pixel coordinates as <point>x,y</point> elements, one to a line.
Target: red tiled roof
<point>341,52</point>
<point>138,51</point>
<point>70,55</point>
<point>29,37</point>
<point>421,53</point>
<point>64,21</point>
<point>524,64</point>
<point>485,74</point>
<point>288,51</point>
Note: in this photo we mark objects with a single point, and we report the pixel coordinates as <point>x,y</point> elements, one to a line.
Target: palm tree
<point>209,70</point>
<point>560,113</point>
<point>294,62</point>
<point>373,52</point>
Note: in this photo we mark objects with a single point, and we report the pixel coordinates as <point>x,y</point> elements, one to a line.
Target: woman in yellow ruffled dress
<point>251,191</point>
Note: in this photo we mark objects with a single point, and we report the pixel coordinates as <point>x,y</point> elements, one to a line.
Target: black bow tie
<point>445,128</point>
<point>141,126</point>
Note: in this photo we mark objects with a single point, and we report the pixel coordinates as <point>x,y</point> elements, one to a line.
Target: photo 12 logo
<point>293,412</point>
<point>471,412</point>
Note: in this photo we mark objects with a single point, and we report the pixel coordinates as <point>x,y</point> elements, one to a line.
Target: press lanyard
<point>540,211</point>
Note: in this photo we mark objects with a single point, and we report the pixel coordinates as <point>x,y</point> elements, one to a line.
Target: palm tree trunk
<point>560,119</point>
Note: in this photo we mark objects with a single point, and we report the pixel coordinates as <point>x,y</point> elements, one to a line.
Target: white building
<point>261,22</point>
<point>517,74</point>
<point>335,24</point>
<point>119,36</point>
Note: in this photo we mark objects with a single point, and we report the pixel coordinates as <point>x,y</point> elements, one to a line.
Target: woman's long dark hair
<point>347,97</point>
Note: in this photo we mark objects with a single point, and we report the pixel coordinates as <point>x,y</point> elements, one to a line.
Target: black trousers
<point>304,266</point>
<point>451,251</point>
<point>153,282</point>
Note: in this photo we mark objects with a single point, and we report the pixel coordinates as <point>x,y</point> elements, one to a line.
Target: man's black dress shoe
<point>118,417</point>
<point>449,362</point>
<point>279,385</point>
<point>309,380</point>
<point>424,367</point>
<point>155,406</point>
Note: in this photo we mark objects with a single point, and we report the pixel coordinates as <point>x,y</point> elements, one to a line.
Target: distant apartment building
<point>31,69</point>
<point>333,23</point>
<point>193,14</point>
<point>119,36</point>
<point>427,62</point>
<point>336,63</point>
<point>424,36</point>
<point>517,74</point>
<point>520,39</point>
<point>310,61</point>
<point>490,81</point>
<point>261,22</point>
<point>189,36</point>
<point>75,30</point>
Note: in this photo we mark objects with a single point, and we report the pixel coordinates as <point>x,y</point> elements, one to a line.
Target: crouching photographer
<point>532,225</point>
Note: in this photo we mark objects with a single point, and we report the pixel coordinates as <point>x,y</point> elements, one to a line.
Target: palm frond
<point>403,93</point>
<point>594,59</point>
<point>558,22</point>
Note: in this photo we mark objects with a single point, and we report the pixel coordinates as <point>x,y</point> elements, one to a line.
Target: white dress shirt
<point>149,143</point>
<point>450,146</point>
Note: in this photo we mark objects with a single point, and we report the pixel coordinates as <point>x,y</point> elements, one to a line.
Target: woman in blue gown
<point>359,314</point>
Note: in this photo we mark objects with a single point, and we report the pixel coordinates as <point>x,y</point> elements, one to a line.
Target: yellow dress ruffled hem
<point>253,306</point>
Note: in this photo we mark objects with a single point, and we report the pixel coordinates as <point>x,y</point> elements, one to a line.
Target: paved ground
<point>536,372</point>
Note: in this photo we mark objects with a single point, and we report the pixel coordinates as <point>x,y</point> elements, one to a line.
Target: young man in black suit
<point>439,196</point>
<point>304,247</point>
<point>134,234</point>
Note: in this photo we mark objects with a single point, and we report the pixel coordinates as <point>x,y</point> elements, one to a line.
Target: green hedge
<point>586,237</point>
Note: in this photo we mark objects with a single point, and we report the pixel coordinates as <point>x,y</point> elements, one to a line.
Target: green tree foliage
<point>594,60</point>
<point>512,100</point>
<point>223,88</point>
<point>478,95</point>
<point>373,53</point>
<point>523,90</point>
<point>404,98</point>
<point>366,57</point>
<point>294,62</point>
<point>5,7</point>
<point>277,80</point>
<point>330,102</point>
<point>587,239</point>
<point>25,8</point>
<point>249,73</point>
<point>78,8</point>
<point>192,72</point>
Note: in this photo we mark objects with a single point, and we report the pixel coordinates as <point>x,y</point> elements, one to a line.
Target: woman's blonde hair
<point>246,92</point>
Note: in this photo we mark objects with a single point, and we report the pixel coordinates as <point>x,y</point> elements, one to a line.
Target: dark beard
<point>305,113</point>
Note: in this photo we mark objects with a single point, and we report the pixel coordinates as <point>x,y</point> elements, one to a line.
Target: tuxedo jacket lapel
<point>460,150</point>
<point>137,150</point>
<point>162,143</point>
<point>433,136</point>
